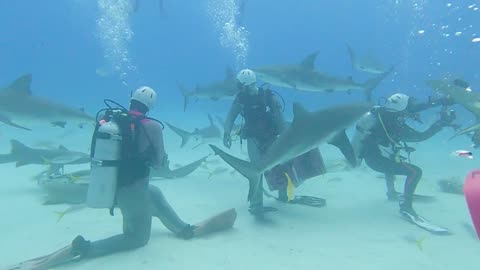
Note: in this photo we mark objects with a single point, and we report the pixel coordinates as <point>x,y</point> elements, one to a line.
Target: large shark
<point>211,132</point>
<point>461,94</point>
<point>18,107</point>
<point>24,155</point>
<point>214,91</point>
<point>366,63</point>
<point>304,77</point>
<point>72,188</point>
<point>307,131</point>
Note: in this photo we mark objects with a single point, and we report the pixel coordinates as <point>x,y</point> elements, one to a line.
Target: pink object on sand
<point>471,189</point>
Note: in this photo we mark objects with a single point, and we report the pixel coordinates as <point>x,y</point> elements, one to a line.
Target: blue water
<point>61,44</point>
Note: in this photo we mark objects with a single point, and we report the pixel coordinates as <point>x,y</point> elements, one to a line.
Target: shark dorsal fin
<point>229,74</point>
<point>18,147</point>
<point>21,86</point>
<point>299,112</point>
<point>309,61</point>
<point>211,120</point>
<point>62,148</point>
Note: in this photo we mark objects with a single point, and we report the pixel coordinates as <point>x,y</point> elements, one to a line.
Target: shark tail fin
<point>245,168</point>
<point>185,135</point>
<point>185,95</point>
<point>372,83</point>
<point>351,53</point>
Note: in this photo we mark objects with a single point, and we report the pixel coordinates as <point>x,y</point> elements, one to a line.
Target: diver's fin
<point>309,201</point>
<point>424,224</point>
<point>245,168</point>
<point>341,141</point>
<point>59,257</point>
<point>185,135</point>
<point>219,222</point>
<point>372,83</point>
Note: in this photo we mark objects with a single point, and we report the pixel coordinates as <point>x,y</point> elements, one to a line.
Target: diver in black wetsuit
<point>382,134</point>
<point>262,112</point>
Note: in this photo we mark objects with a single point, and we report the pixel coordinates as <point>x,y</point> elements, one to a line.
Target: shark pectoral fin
<point>4,119</point>
<point>341,141</point>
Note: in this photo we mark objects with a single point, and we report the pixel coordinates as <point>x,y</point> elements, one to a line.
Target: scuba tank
<point>106,160</point>
<point>362,131</point>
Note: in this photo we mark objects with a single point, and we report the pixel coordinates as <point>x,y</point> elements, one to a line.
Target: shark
<point>366,63</point>
<point>307,131</point>
<point>226,88</point>
<point>211,132</point>
<point>23,155</point>
<point>462,94</point>
<point>19,107</point>
<point>183,171</point>
<point>71,188</point>
<point>303,76</point>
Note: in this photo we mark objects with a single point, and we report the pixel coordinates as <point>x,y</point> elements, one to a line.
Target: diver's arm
<point>160,157</point>
<point>235,110</point>
<point>278,114</point>
<point>409,134</point>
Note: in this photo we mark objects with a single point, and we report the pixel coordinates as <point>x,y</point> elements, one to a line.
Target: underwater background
<point>81,52</point>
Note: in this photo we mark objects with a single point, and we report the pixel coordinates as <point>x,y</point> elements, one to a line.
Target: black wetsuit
<point>262,113</point>
<point>383,146</point>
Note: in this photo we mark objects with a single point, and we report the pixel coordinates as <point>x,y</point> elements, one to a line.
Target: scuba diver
<point>381,135</point>
<point>264,121</point>
<point>125,145</point>
<point>262,112</point>
<point>138,200</point>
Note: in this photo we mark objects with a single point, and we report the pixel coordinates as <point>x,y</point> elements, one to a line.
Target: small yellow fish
<point>72,178</point>
<point>420,243</point>
<point>60,215</point>
<point>290,188</point>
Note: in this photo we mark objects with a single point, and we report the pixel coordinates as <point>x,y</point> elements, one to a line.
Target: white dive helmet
<point>246,77</point>
<point>397,102</point>
<point>146,96</point>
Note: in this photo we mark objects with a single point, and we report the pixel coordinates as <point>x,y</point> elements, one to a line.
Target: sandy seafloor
<point>358,229</point>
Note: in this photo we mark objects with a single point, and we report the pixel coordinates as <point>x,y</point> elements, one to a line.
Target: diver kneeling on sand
<point>125,144</point>
<point>381,136</point>
<point>263,123</point>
